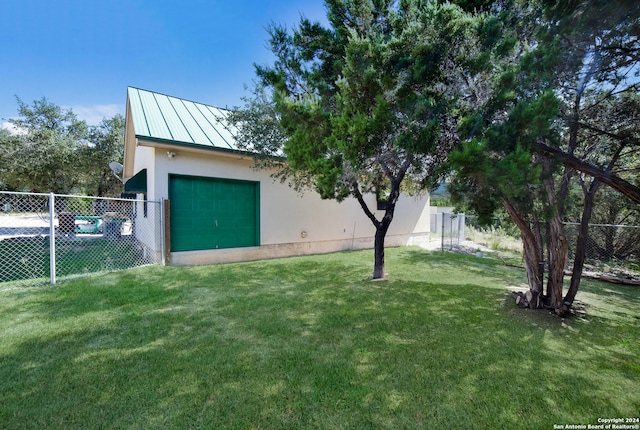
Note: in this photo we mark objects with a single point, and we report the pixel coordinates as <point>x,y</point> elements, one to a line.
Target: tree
<point>598,50</point>
<point>567,105</point>
<point>497,168</point>
<point>104,143</point>
<point>53,151</point>
<point>370,103</point>
<point>43,156</point>
<point>8,144</point>
<point>256,127</point>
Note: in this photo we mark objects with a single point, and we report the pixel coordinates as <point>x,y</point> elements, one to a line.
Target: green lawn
<point>311,342</point>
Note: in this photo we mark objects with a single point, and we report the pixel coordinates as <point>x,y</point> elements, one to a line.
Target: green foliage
<point>370,104</point>
<point>474,5</point>
<point>441,201</point>
<point>44,156</point>
<point>8,146</point>
<point>531,100</point>
<point>104,144</point>
<point>53,151</point>
<point>368,100</point>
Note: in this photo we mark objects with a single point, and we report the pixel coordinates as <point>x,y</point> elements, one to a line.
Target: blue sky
<point>82,54</point>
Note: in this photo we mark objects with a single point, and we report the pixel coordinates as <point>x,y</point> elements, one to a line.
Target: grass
<point>495,239</point>
<point>311,342</point>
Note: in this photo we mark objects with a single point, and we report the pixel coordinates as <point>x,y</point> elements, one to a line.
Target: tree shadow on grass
<point>455,269</point>
<point>305,343</point>
<point>445,259</point>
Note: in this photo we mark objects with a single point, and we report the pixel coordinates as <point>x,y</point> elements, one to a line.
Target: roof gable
<point>169,119</point>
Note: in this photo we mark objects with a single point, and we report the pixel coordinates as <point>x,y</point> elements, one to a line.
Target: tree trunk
<point>581,244</point>
<point>381,232</point>
<point>378,250</point>
<point>381,226</point>
<point>558,249</point>
<point>102,185</point>
<point>557,246</point>
<point>539,246</point>
<point>532,253</point>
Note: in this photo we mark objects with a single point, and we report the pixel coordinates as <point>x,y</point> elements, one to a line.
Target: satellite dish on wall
<point>117,169</point>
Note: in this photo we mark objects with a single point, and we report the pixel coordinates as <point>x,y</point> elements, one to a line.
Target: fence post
<point>162,249</point>
<point>52,239</point>
<point>442,238</point>
<point>166,237</point>
<point>451,231</point>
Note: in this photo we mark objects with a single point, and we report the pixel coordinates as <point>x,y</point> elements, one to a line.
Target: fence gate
<point>450,227</point>
<point>46,237</point>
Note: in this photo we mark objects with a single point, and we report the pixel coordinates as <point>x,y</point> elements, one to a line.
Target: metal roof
<point>160,117</point>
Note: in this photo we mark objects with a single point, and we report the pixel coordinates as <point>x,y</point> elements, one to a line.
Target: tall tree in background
<point>44,157</point>
<point>9,142</point>
<point>104,144</point>
<point>371,102</point>
<point>52,150</point>
<point>600,109</point>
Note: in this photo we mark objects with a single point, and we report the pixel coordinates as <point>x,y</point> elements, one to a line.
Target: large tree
<point>51,150</point>
<point>566,106</point>
<point>371,102</point>
<point>43,155</point>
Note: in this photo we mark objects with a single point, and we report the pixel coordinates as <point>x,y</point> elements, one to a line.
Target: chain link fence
<point>613,246</point>
<point>610,248</point>
<point>45,237</point>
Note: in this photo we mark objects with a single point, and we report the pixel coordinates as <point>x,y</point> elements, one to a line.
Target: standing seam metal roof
<point>160,117</point>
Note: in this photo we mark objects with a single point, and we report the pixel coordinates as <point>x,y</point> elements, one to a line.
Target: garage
<point>213,213</point>
<point>221,208</point>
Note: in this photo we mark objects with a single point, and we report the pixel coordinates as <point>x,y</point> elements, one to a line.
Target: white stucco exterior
<point>290,224</point>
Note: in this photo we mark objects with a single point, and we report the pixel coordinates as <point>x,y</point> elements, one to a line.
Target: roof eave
<point>189,147</point>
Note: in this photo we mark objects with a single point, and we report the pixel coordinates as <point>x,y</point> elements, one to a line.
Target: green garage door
<point>211,213</point>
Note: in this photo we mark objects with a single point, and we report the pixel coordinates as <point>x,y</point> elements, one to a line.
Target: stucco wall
<point>147,221</point>
<point>290,224</point>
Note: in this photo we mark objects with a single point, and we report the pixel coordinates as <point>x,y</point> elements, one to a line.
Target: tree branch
<point>599,131</point>
<point>363,205</point>
<point>613,181</point>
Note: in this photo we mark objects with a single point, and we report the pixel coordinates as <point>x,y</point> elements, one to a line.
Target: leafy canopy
<point>53,151</point>
<point>372,99</point>
<point>44,157</point>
